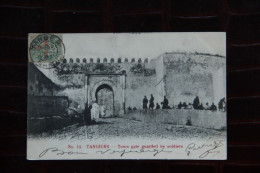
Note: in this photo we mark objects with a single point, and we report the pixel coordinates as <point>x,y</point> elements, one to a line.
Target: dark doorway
<point>105,99</point>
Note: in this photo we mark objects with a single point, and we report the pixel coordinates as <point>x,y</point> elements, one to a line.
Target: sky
<point>142,45</point>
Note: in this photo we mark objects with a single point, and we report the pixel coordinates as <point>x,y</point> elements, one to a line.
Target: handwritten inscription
<point>58,152</point>
<point>206,149</point>
<point>192,150</point>
<point>123,152</point>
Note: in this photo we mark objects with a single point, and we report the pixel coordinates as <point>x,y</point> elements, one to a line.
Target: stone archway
<point>105,98</point>
<point>112,82</point>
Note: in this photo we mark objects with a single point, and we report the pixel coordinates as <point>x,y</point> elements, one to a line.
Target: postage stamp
<point>45,50</point>
<point>127,96</point>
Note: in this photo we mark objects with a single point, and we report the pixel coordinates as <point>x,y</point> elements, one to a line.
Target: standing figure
<point>87,114</point>
<point>165,103</point>
<point>196,103</point>
<point>103,111</point>
<point>145,101</point>
<point>151,103</point>
<point>222,104</point>
<point>95,111</point>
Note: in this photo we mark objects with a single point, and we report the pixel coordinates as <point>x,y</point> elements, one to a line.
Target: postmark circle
<point>46,50</point>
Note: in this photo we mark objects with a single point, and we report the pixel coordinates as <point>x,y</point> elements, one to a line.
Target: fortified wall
<point>191,75</point>
<point>42,94</point>
<point>179,76</point>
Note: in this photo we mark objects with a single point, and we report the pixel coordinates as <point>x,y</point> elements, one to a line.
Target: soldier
<point>95,111</point>
<point>145,101</point>
<point>180,105</point>
<point>165,103</point>
<point>196,103</point>
<point>87,114</point>
<point>221,104</point>
<point>103,111</point>
<point>151,103</point>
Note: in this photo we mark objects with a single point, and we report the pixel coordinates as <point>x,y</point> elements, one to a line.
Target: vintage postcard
<point>127,96</point>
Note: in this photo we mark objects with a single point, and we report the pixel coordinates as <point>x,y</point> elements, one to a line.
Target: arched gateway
<point>105,99</point>
<point>107,90</point>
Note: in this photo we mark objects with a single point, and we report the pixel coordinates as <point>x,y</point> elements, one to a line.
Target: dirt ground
<point>108,128</point>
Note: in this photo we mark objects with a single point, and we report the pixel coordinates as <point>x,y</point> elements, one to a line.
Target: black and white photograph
<point>127,96</point>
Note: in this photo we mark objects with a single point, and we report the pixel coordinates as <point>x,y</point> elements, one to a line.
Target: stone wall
<point>139,86</point>
<point>73,77</point>
<point>200,118</point>
<point>76,96</point>
<point>181,87</point>
<point>179,76</point>
<point>47,106</point>
<point>190,75</point>
<point>115,82</point>
<point>39,84</point>
<point>42,96</point>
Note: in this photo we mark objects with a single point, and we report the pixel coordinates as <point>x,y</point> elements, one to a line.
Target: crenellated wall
<point>140,77</point>
<point>106,60</point>
<point>69,68</point>
<point>179,76</point>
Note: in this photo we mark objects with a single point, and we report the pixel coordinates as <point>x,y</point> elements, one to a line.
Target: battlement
<point>106,60</point>
<point>102,67</point>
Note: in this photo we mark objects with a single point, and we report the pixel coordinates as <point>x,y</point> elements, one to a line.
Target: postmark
<point>46,50</point>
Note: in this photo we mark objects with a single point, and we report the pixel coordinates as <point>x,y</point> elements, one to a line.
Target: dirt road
<point>125,128</point>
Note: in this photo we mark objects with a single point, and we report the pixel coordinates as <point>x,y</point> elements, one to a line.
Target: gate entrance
<point>108,90</point>
<point>105,99</point>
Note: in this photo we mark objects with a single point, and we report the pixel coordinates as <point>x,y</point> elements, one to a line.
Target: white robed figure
<point>94,111</point>
<point>103,111</point>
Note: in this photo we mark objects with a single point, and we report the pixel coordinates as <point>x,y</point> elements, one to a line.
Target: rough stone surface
<point>197,118</point>
<point>125,128</point>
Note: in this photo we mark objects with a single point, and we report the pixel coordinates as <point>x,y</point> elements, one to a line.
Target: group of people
<point>196,104</point>
<point>164,103</point>
<point>199,106</point>
<point>93,112</point>
<point>184,105</point>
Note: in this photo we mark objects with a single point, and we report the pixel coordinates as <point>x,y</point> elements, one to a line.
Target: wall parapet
<point>103,68</point>
<point>106,60</point>
<point>198,118</point>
